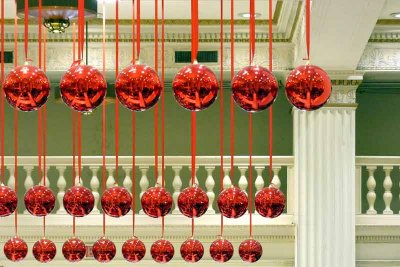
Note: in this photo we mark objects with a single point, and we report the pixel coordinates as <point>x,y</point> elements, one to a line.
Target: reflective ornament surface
<point>254,88</point>
<point>156,202</point>
<point>15,249</point>
<point>162,251</point>
<point>104,250</point>
<point>78,201</point>
<point>39,200</point>
<point>26,88</point>
<point>221,250</point>
<point>74,249</point>
<point>195,87</point>
<point>83,88</point>
<point>8,201</point>
<point>193,202</point>
<point>44,250</point>
<point>232,202</point>
<point>116,201</point>
<point>308,87</point>
<point>250,250</point>
<point>133,250</point>
<point>192,250</point>
<point>138,87</point>
<point>270,202</point>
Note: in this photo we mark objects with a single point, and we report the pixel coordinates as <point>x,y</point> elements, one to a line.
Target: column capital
<point>344,87</point>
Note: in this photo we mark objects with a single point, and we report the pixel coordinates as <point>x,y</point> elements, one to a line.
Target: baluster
<point>387,185</point>
<point>110,180</point>
<point>159,177</point>
<point>11,179</point>
<point>61,184</point>
<point>259,182</point>
<point>371,195</point>
<point>144,183</point>
<point>275,180</point>
<point>127,180</point>
<point>45,177</point>
<point>177,184</point>
<point>28,181</point>
<point>94,185</point>
<point>196,181</point>
<point>227,180</point>
<point>210,183</point>
<point>243,183</point>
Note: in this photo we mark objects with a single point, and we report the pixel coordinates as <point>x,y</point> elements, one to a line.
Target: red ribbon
<point>195,29</point>
<point>133,33</point>
<point>16,127</point>
<point>133,171</point>
<point>138,30</point>
<point>116,100</point>
<point>156,106</point>
<point>163,104</point>
<point>2,95</point>
<point>103,127</point>
<point>308,26</point>
<point>270,109</point>
<point>221,107</point>
<point>252,31</point>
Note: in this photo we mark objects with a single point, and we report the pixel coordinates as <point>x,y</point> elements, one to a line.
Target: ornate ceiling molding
<point>380,56</point>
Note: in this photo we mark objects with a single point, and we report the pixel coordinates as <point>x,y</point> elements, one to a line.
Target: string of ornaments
<point>138,87</point>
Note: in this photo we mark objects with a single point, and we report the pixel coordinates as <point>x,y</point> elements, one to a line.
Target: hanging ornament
<point>254,88</point>
<point>44,250</point>
<point>250,250</point>
<point>116,201</point>
<point>192,250</point>
<point>162,251</point>
<point>8,201</point>
<point>83,88</point>
<point>26,87</point>
<point>221,250</point>
<point>156,202</point>
<point>15,249</point>
<point>78,201</point>
<point>232,202</point>
<point>270,202</point>
<point>104,250</point>
<point>74,249</point>
<point>195,87</point>
<point>193,201</point>
<point>133,250</point>
<point>138,87</point>
<point>308,87</point>
<point>39,200</point>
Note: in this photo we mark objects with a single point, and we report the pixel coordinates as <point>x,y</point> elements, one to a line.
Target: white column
<point>324,159</point>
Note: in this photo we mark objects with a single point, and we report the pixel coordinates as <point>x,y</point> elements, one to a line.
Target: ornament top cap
<point>195,62</point>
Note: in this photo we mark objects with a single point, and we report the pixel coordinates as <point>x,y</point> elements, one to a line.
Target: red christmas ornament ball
<point>195,87</point>
<point>78,201</point>
<point>44,250</point>
<point>308,87</point>
<point>138,87</point>
<point>8,201</point>
<point>26,88</point>
<point>192,250</point>
<point>162,251</point>
<point>232,202</point>
<point>270,202</point>
<point>133,250</point>
<point>39,200</point>
<point>250,250</point>
<point>74,249</point>
<point>156,202</point>
<point>104,250</point>
<point>254,88</point>
<point>221,250</point>
<point>116,201</point>
<point>83,88</point>
<point>15,249</point>
<point>193,202</point>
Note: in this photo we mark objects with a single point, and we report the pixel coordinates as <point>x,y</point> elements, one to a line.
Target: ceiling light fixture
<point>395,15</point>
<point>246,15</point>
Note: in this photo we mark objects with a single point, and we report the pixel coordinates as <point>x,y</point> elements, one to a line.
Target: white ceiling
<point>391,6</point>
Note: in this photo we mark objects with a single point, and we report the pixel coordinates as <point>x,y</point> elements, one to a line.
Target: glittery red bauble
<point>138,87</point>
<point>193,202</point>
<point>83,88</point>
<point>133,250</point>
<point>15,249</point>
<point>195,87</point>
<point>78,201</point>
<point>232,202</point>
<point>162,251</point>
<point>44,250</point>
<point>8,201</point>
<point>254,88</point>
<point>116,201</point>
<point>74,249</point>
<point>250,250</point>
<point>104,250</point>
<point>39,200</point>
<point>308,87</point>
<point>192,250</point>
<point>26,88</point>
<point>270,202</point>
<point>156,202</point>
<point>221,250</point>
